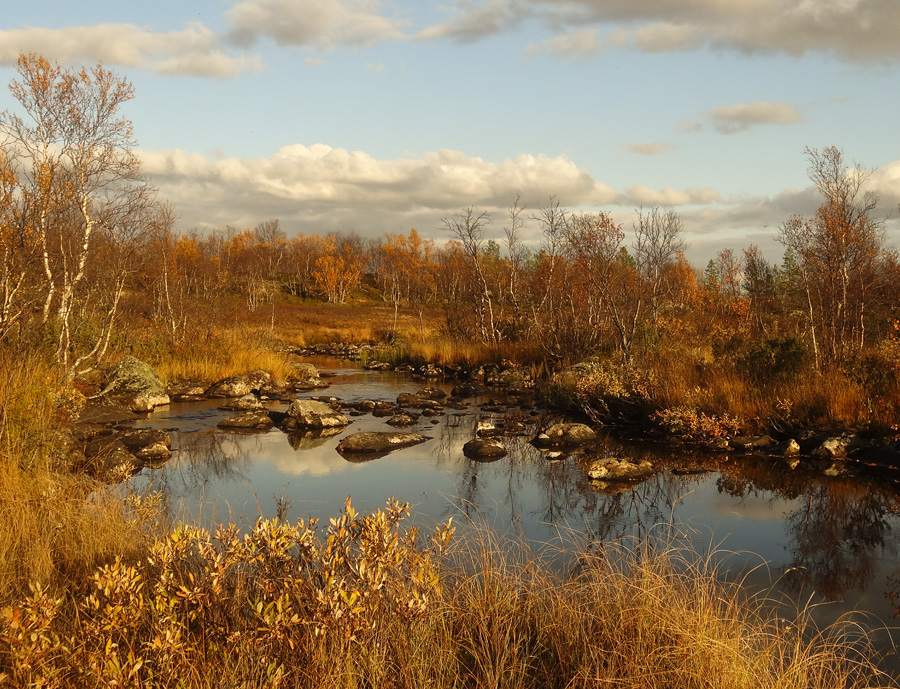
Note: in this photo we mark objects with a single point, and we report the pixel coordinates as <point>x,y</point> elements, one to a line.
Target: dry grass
<point>374,605</point>
<point>55,527</point>
<point>227,352</point>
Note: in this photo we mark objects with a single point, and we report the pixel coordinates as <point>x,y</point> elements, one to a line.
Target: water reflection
<point>832,535</point>
<point>837,529</point>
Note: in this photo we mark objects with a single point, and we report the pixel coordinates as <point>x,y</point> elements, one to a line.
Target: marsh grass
<point>55,527</point>
<point>373,603</point>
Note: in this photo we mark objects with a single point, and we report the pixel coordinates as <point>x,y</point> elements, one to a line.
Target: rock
<point>431,393</point>
<point>403,419</point>
<point>570,434</point>
<point>378,366</point>
<point>405,399</point>
<point>616,469</point>
<point>186,391</point>
<point>137,440</point>
<point>302,371</point>
<point>379,442</point>
<point>541,440</point>
<point>752,442</point>
<point>465,390</point>
<point>432,371</point>
<point>717,444</point>
<point>232,386</point>
<point>315,414</point>
<point>154,453</point>
<point>484,449</point>
<point>486,428</point>
<point>365,406</point>
<point>258,419</point>
<point>110,461</point>
<point>792,449</point>
<point>136,385</point>
<point>248,402</point>
<point>836,447</point>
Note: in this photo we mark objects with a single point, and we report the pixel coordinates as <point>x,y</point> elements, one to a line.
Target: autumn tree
<point>836,251</point>
<point>468,228</point>
<point>79,188</point>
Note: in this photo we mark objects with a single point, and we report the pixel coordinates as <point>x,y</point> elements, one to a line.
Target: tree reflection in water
<point>836,529</point>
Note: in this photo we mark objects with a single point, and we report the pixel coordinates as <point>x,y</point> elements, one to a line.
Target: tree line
<point>81,228</point>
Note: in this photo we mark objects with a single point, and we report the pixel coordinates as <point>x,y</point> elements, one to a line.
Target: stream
<point>806,537</point>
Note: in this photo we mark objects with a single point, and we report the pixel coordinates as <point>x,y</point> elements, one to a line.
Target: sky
<point>371,116</point>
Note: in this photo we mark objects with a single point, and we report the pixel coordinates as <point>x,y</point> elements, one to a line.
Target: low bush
<point>372,604</point>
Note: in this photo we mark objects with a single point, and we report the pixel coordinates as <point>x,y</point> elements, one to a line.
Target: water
<point>829,540</point>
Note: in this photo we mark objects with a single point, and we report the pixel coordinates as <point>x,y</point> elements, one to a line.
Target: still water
<point>832,541</point>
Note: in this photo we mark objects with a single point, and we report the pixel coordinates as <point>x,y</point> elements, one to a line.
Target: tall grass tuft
<point>55,527</point>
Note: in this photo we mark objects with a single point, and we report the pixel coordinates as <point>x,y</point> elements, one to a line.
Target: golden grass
<point>373,605</point>
<point>55,527</point>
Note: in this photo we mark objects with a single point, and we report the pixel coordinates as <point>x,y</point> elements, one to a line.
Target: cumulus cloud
<point>194,51</point>
<point>733,119</point>
<point>321,188</point>
<point>320,24</point>
<point>851,30</point>
<point>647,149</point>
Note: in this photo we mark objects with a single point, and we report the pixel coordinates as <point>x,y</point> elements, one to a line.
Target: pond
<point>830,540</point>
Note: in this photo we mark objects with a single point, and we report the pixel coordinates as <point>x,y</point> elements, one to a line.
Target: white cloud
<point>320,188</point>
<point>376,68</point>
<point>644,196</point>
<point>648,149</point>
<point>733,119</point>
<point>469,22</point>
<point>851,30</point>
<point>312,23</point>
<point>313,61</point>
<point>193,51</point>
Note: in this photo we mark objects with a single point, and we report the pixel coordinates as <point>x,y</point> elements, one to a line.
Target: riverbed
<point>807,537</point>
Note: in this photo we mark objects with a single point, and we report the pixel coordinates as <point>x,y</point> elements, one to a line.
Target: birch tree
<point>73,157</point>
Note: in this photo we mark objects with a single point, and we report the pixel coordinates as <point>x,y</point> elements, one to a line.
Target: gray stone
<point>137,440</point>
<point>835,447</point>
<point>379,442</point>
<point>616,469</point>
<point>136,385</point>
<point>570,433</point>
<point>315,414</point>
<point>401,420</point>
<point>248,402</point>
<point>751,442</point>
<point>484,449</point>
<point>258,419</point>
<point>232,386</point>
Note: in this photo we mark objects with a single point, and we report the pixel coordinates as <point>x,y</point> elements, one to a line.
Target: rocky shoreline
<point>103,443</point>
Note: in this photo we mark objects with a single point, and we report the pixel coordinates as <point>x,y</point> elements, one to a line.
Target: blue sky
<point>373,117</point>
